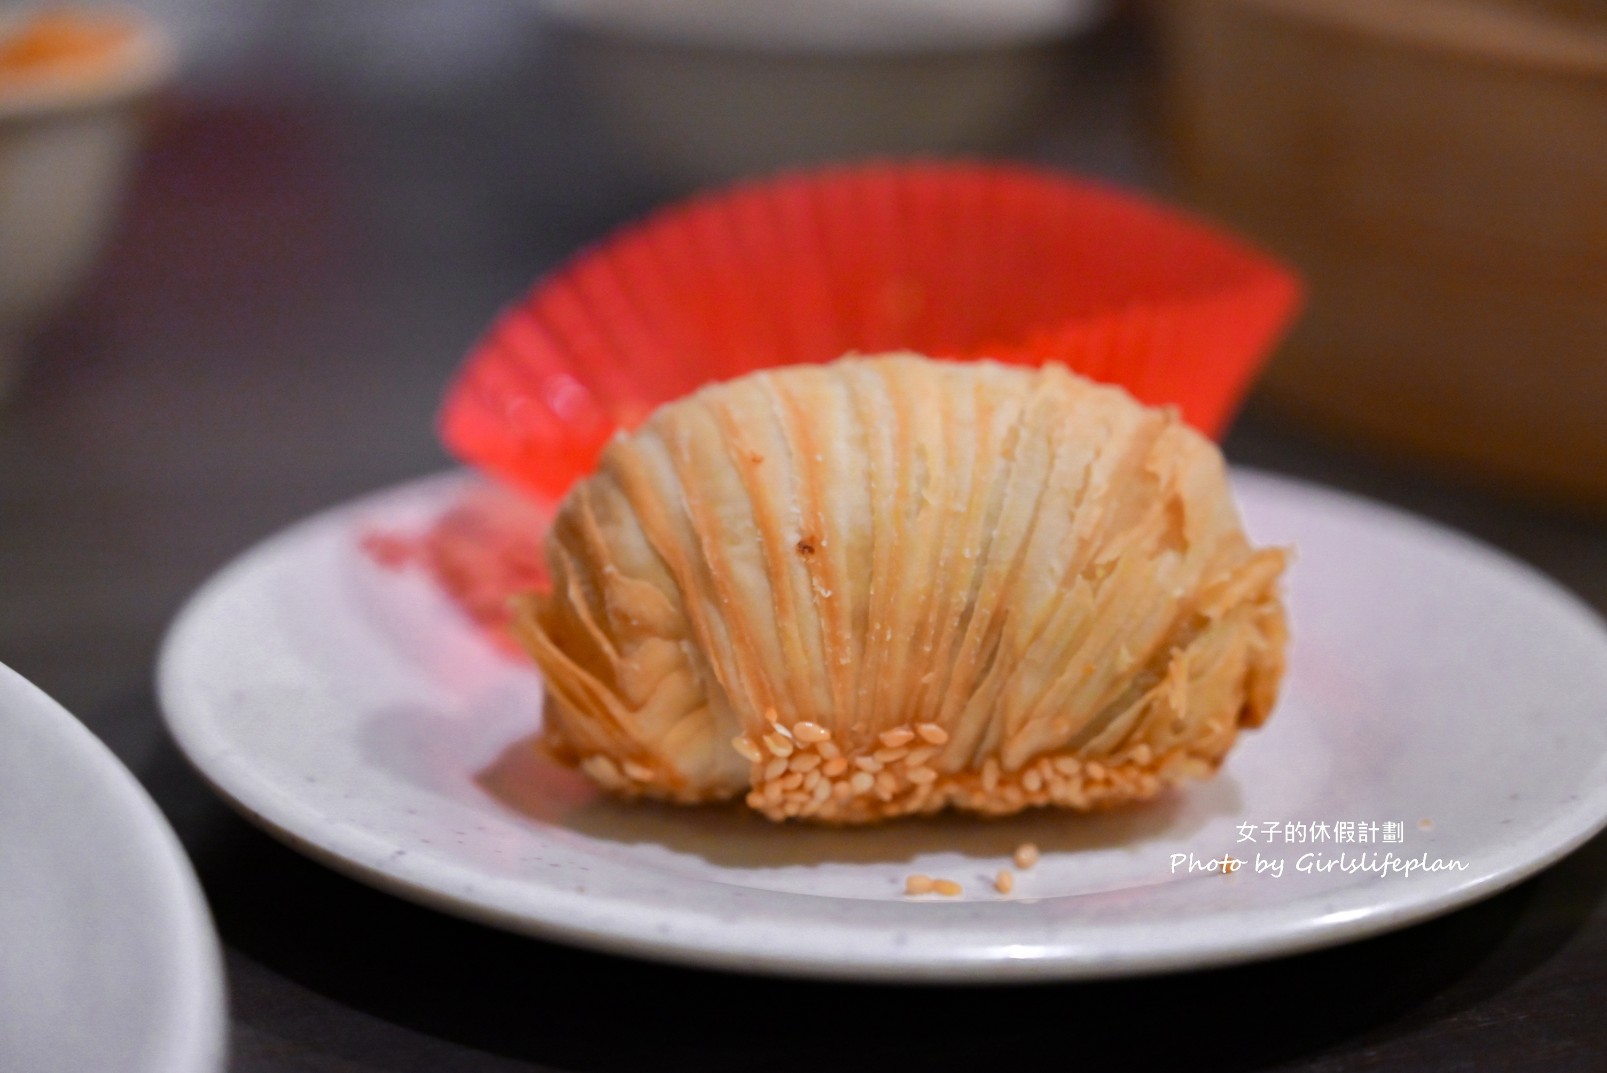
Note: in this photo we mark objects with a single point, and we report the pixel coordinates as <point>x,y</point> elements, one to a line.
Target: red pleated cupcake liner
<point>952,260</point>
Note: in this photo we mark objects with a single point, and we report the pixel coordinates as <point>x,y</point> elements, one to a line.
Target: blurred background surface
<point>335,198</point>
<point>1438,171</point>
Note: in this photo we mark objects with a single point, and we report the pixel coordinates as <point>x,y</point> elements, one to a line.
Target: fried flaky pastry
<point>889,585</point>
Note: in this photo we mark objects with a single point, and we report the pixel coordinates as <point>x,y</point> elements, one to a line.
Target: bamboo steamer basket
<point>1438,169</point>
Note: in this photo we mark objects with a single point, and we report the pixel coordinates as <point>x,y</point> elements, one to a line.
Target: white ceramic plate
<point>1435,685</point>
<point>107,955</point>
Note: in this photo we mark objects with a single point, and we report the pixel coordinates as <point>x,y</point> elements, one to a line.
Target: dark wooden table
<point>305,258</point>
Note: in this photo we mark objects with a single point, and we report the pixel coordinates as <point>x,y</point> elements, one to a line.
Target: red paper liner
<point>952,260</point>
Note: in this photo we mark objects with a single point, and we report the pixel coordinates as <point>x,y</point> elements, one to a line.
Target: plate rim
<point>194,1037</point>
<point>360,854</point>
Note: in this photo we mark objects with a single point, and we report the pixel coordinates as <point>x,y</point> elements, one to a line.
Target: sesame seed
<point>804,761</point>
<point>1005,881</point>
<point>1031,781</point>
<point>868,763</point>
<point>778,745</point>
<point>946,887</point>
<point>1067,765</point>
<point>810,732</point>
<point>919,775</point>
<point>639,772</point>
<point>887,756</point>
<point>749,751</point>
<point>776,768</point>
<point>932,732</point>
<point>1026,855</point>
<point>828,750</point>
<point>835,766</point>
<point>602,769</point>
<point>919,757</point>
<point>862,782</point>
<point>896,737</point>
<point>821,792</point>
<point>918,884</point>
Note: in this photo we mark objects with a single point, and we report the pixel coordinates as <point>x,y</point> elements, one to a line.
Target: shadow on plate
<point>733,836</point>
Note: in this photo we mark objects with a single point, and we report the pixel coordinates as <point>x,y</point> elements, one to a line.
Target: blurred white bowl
<point>703,91</point>
<point>68,133</point>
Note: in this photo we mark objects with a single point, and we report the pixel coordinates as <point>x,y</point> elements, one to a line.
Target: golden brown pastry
<point>889,585</point>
